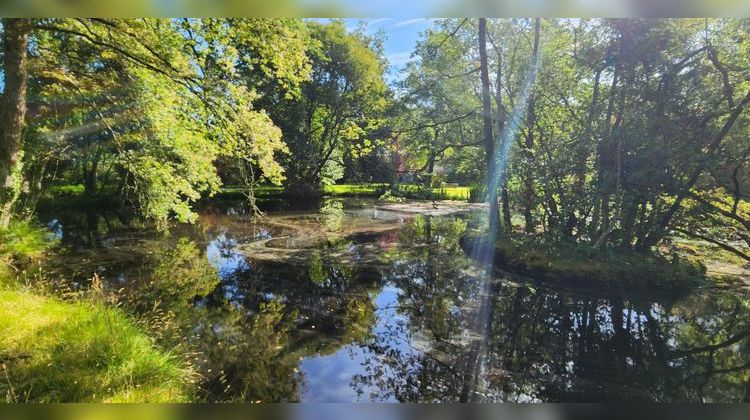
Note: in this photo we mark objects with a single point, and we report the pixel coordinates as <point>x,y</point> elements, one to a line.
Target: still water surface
<point>346,300</point>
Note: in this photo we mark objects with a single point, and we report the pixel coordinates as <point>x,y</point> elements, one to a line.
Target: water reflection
<point>351,301</point>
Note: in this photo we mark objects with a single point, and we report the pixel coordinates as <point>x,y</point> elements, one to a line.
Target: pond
<point>351,300</point>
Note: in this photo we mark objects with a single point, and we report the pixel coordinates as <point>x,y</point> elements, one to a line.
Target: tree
<point>528,149</point>
<point>12,112</point>
<point>159,101</point>
<point>339,107</point>
<point>437,122</point>
<point>630,120</point>
<point>489,139</point>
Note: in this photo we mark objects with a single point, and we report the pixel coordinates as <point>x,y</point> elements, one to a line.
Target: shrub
<point>389,197</point>
<point>477,194</point>
<point>23,240</point>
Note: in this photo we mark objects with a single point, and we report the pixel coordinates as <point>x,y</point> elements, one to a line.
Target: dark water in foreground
<point>345,301</point>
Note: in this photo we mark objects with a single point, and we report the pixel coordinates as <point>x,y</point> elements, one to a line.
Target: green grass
<point>580,265</point>
<point>67,189</point>
<point>260,191</point>
<point>83,351</point>
<point>405,190</point>
<point>700,251</point>
<point>453,193</point>
<point>355,190</point>
<point>21,244</point>
<point>56,351</point>
<point>359,190</point>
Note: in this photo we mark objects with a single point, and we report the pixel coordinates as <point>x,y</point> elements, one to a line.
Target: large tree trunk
<point>91,174</point>
<point>489,141</point>
<point>505,199</point>
<point>12,110</point>
<point>501,118</point>
<point>528,181</point>
<point>604,165</point>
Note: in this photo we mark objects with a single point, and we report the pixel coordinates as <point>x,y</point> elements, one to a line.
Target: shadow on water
<point>342,300</point>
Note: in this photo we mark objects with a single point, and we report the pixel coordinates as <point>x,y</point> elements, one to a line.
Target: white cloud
<point>408,22</point>
<point>376,21</point>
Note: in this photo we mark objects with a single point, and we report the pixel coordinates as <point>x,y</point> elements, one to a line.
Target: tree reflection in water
<point>547,345</point>
<point>392,312</point>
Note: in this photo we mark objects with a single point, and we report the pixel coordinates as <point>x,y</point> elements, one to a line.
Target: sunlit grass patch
<point>55,351</point>
<point>67,189</point>
<point>411,191</point>
<point>453,193</point>
<point>20,244</point>
<point>700,251</point>
<point>355,189</point>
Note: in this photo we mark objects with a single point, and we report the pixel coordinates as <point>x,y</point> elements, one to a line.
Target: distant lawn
<point>355,190</point>
<point>67,189</point>
<point>56,351</point>
<point>445,193</point>
<point>452,193</point>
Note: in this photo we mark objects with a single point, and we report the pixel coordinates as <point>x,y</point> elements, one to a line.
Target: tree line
<point>160,112</point>
<point>611,132</point>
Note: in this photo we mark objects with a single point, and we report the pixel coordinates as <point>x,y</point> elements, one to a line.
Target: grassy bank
<point>577,265</point>
<point>53,350</point>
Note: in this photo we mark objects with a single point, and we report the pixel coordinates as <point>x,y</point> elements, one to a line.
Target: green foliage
<point>171,156</point>
<point>55,351</point>
<point>390,197</point>
<point>25,240</point>
<point>339,111</point>
<point>151,104</point>
<point>439,106</point>
<point>477,194</point>
<point>625,120</point>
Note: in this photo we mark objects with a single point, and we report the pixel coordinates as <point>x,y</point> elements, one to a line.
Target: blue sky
<point>401,37</point>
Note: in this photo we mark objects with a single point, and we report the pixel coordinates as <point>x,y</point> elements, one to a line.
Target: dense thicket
<point>619,132</point>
